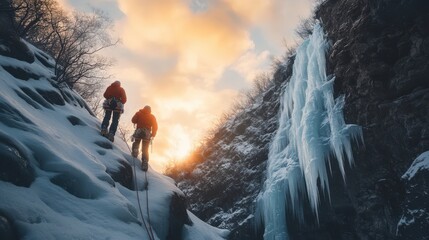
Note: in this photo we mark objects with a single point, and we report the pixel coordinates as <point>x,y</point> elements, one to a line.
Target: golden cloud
<point>203,43</point>
<point>251,64</point>
<point>251,12</point>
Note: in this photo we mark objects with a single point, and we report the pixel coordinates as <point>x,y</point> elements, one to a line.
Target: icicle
<point>311,128</point>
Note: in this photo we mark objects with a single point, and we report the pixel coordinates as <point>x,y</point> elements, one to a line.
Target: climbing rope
<point>148,230</point>
<point>147,226</point>
<point>147,207</point>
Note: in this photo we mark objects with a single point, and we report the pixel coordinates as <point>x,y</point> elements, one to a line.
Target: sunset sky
<point>189,59</point>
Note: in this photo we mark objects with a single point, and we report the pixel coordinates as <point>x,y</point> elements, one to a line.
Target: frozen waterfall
<point>311,134</point>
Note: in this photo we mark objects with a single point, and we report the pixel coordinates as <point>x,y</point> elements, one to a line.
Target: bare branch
<point>75,41</point>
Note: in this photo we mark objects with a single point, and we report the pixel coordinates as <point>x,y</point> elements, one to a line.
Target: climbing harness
<point>148,225</point>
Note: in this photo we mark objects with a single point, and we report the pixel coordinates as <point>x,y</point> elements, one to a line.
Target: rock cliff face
<point>415,217</point>
<point>380,58</point>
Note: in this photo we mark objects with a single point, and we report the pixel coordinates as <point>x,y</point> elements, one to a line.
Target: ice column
<point>311,134</point>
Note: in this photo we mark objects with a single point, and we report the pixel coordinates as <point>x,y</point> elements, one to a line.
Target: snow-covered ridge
<point>311,133</point>
<point>59,177</point>
<point>421,163</point>
<point>416,207</point>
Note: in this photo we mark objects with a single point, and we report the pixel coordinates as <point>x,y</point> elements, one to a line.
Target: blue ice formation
<point>311,134</point>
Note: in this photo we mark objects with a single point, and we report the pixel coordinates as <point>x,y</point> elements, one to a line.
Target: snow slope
<point>59,176</point>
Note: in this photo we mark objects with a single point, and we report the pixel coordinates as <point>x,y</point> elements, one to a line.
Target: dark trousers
<point>115,121</point>
<point>145,147</point>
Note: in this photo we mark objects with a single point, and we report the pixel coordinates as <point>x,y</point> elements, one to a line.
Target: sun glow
<point>182,143</point>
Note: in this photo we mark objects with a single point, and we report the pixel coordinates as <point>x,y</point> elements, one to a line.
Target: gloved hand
<point>106,104</point>
<point>120,107</point>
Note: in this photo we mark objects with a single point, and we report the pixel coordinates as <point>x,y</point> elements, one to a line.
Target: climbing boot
<point>135,153</point>
<point>144,165</point>
<point>111,137</point>
<point>104,132</point>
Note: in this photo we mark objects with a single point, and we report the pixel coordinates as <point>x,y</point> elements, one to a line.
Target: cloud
<point>276,18</point>
<point>251,12</point>
<point>202,43</point>
<point>251,64</point>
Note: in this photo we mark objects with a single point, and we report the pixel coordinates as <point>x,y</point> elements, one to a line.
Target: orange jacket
<point>144,119</point>
<point>115,90</point>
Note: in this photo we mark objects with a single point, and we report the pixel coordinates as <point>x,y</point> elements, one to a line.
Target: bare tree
<point>74,40</point>
<point>125,132</point>
<point>33,16</point>
<point>261,83</point>
<point>170,167</point>
<point>80,39</point>
<point>305,27</point>
<point>95,102</point>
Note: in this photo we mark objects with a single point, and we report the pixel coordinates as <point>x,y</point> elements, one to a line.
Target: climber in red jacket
<point>114,103</point>
<point>145,132</point>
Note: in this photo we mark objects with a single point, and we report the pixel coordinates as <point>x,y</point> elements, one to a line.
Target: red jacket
<point>115,90</point>
<point>144,119</point>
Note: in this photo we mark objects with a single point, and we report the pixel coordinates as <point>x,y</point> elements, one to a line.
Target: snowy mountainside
<point>59,179</point>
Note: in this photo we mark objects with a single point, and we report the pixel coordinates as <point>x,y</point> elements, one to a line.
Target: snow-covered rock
<point>415,217</point>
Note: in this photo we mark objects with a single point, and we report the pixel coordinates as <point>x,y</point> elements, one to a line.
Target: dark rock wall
<point>380,57</point>
<point>8,229</point>
<point>178,217</point>
<point>415,217</point>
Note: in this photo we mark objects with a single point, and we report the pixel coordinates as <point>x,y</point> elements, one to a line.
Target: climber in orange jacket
<point>145,132</point>
<point>114,103</point>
